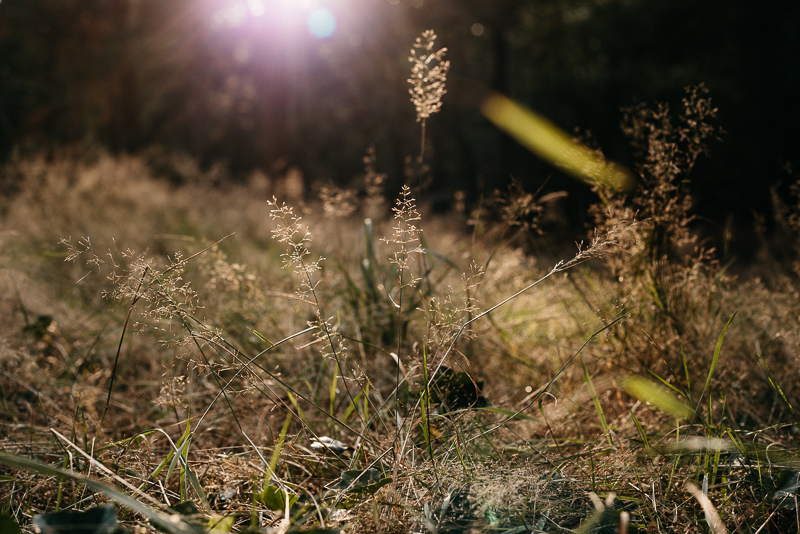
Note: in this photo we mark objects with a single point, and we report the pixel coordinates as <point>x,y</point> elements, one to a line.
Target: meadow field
<point>277,355</point>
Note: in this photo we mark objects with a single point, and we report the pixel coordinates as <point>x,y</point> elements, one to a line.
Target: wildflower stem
<point>422,146</point>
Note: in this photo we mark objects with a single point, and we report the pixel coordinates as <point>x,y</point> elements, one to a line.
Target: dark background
<point>260,92</point>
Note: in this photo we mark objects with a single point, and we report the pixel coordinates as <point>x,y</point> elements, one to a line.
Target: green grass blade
<point>182,444</point>
<point>426,428</point>
<point>273,462</point>
<point>195,482</point>
<point>686,372</point>
<point>776,386</point>
<point>264,339</point>
<point>366,403</point>
<point>670,386</point>
<point>369,239</point>
<point>425,403</point>
<point>714,361</point>
<point>167,523</point>
<point>351,407</point>
<point>332,389</point>
<point>596,401</point>
<point>167,459</point>
<point>293,400</point>
<point>642,435</point>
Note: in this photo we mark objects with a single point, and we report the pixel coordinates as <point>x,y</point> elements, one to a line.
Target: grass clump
<point>382,378</point>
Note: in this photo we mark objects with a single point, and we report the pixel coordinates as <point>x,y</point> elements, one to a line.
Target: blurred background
<point>272,85</point>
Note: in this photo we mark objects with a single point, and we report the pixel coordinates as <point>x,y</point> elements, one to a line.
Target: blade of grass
<point>351,408</point>
<point>686,372</point>
<point>178,451</point>
<point>642,435</point>
<point>104,469</point>
<point>195,482</point>
<point>773,382</point>
<point>714,362</point>
<point>670,386</point>
<point>332,389</point>
<point>425,392</point>
<point>293,400</point>
<point>172,524</point>
<point>264,339</point>
<point>273,462</point>
<point>596,400</point>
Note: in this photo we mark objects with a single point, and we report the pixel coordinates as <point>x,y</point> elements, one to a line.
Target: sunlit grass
<point>232,361</point>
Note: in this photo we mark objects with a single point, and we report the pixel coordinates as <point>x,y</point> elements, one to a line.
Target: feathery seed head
<point>428,75</point>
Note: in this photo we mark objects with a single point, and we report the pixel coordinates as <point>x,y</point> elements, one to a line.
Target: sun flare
<point>318,19</point>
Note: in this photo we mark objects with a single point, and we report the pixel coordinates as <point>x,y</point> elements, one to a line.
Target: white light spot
<point>232,16</point>
<point>321,23</point>
<point>477,29</point>
<point>256,7</point>
<point>528,389</point>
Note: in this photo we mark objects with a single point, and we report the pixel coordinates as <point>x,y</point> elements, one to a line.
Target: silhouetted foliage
<point>251,87</point>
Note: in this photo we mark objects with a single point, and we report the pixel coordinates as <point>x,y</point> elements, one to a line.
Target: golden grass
<point>211,313</point>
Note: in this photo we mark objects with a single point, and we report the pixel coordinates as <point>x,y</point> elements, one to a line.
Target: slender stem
<point>340,364</point>
<point>422,143</point>
<point>119,350</point>
<point>397,370</point>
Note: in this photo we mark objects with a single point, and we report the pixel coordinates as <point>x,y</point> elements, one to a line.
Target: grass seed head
<point>428,75</point>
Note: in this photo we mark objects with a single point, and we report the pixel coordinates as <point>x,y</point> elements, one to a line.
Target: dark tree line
<point>259,92</point>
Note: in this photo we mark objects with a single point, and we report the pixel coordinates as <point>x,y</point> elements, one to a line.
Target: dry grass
<point>207,343</point>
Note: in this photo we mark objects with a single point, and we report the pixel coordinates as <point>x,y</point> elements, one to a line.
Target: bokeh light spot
<point>321,23</point>
<point>477,29</point>
<point>256,7</point>
<point>231,16</point>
